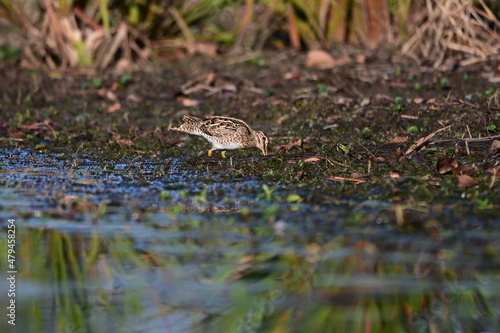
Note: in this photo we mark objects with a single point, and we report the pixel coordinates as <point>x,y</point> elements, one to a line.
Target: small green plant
<point>344,148</point>
<point>259,61</point>
<point>202,197</point>
<point>267,195</point>
<point>269,92</point>
<point>96,82</point>
<point>418,87</point>
<point>444,84</point>
<point>490,92</point>
<point>366,132</point>
<point>124,81</point>
<point>8,51</point>
<point>400,104</point>
<point>294,198</point>
<point>483,203</point>
<point>412,130</point>
<point>322,89</point>
<point>492,128</point>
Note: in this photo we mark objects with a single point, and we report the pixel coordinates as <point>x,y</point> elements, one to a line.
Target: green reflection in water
<point>122,282</point>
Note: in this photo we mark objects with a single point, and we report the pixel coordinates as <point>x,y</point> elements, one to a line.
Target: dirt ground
<point>368,101</point>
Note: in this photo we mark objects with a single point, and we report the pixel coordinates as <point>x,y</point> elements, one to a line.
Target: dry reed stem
<point>454,27</point>
<point>71,41</point>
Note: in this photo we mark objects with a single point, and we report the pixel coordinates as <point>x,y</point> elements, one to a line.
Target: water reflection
<point>111,252</point>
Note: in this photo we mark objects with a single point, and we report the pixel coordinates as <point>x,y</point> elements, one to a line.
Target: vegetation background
<point>61,35</point>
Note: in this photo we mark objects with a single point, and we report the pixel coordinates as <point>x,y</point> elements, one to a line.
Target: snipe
<point>224,133</point>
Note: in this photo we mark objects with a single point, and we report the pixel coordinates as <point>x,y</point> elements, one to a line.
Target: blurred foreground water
<point>153,244</point>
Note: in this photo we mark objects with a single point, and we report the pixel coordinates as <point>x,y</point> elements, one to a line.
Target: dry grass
<point>65,37</point>
<point>454,31</point>
<point>71,40</point>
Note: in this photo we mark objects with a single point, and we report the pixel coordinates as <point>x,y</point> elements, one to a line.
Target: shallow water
<point>154,244</point>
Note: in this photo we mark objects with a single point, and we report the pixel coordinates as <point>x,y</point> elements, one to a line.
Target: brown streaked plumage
<point>224,133</point>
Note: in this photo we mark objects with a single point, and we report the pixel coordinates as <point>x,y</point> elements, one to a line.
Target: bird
<point>224,133</point>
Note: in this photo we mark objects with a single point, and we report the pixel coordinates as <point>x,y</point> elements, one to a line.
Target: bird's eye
<point>264,138</point>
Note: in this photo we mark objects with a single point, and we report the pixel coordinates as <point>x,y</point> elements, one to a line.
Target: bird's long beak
<point>264,151</point>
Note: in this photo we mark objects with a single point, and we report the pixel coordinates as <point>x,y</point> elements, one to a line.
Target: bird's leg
<point>210,152</point>
<point>223,153</point>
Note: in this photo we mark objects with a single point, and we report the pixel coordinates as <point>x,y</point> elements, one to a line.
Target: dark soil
<point>358,106</point>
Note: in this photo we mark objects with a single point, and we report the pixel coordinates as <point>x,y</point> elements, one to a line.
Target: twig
<point>348,179</point>
<point>420,142</point>
<point>11,139</point>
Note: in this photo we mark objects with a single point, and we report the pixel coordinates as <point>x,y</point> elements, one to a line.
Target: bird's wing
<point>224,126</point>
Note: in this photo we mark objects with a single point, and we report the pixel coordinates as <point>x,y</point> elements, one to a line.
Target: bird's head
<point>262,140</point>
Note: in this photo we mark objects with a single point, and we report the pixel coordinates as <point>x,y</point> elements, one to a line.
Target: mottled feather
<point>224,133</point>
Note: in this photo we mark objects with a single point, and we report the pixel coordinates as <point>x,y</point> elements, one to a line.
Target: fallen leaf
<point>418,100</point>
<point>463,169</point>
<point>396,174</point>
<point>365,101</point>
<point>465,180</point>
<point>115,107</point>
<point>281,120</point>
<point>275,83</point>
<point>342,100</point>
<point>203,48</point>
<point>446,164</point>
<point>494,171</point>
<point>122,65</point>
<point>134,98</point>
<point>399,85</point>
<point>108,94</point>
<point>188,102</point>
<point>231,87</point>
<point>289,146</point>
<point>360,58</point>
<point>40,127</point>
<point>291,75</point>
<point>320,59</point>
<point>382,96</point>
<point>311,159</point>
<point>115,137</point>
<point>494,148</point>
<point>398,139</point>
<point>210,78</point>
<point>194,88</point>
<point>356,175</point>
<point>271,101</point>
<point>379,160</point>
